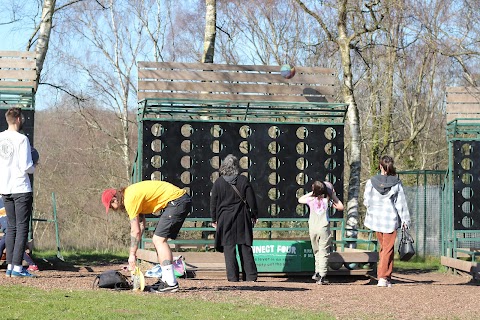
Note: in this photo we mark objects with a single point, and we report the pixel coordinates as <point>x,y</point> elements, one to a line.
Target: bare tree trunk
<point>208,54</point>
<point>353,121</point>
<point>44,34</point>
<point>392,56</point>
<point>345,42</point>
<point>387,114</point>
<point>210,31</point>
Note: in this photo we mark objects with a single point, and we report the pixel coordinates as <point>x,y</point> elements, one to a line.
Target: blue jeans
<point>19,211</point>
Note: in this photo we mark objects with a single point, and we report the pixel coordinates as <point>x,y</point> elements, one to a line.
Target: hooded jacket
<point>386,204</point>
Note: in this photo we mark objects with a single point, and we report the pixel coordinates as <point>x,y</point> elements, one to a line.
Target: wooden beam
<point>197,257</point>
<point>235,88</point>
<point>232,97</point>
<point>463,98</point>
<point>467,108</point>
<point>205,258</point>
<point>473,90</point>
<point>453,116</point>
<point>17,64</point>
<point>353,257</point>
<point>228,67</point>
<point>261,78</point>
<point>19,54</point>
<point>467,266</point>
<point>17,85</point>
<point>18,74</point>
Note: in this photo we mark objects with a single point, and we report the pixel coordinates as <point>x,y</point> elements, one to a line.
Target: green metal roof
<point>261,111</point>
<point>463,128</point>
<point>17,96</point>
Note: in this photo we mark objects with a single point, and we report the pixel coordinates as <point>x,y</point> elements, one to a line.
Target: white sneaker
<point>155,272</point>
<point>384,283</point>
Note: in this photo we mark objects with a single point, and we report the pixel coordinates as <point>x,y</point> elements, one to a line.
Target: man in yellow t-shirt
<point>147,197</point>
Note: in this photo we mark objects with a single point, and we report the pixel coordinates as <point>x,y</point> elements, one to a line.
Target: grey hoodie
<point>383,183</point>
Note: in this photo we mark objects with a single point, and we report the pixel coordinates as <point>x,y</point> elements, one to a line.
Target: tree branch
<point>228,34</point>
<point>316,17</point>
<point>80,99</point>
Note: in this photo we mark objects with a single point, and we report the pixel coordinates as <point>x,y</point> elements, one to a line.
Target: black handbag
<point>112,279</point>
<point>405,249</point>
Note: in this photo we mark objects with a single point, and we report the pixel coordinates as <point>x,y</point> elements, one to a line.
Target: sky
<point>14,36</point>
<point>13,40</point>
<point>16,41</point>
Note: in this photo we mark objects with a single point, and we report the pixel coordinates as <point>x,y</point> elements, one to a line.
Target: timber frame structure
<point>461,209</point>
<point>212,98</point>
<point>18,86</point>
<point>17,79</point>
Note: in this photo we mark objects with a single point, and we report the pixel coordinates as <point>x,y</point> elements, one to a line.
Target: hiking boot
<point>382,282</point>
<point>163,287</point>
<point>316,276</point>
<point>23,274</point>
<point>33,267</point>
<point>322,281</point>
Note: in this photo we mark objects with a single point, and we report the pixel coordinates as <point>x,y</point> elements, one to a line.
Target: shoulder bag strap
<point>408,236</point>
<point>238,192</point>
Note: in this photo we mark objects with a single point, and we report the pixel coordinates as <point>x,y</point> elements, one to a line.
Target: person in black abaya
<point>233,208</point>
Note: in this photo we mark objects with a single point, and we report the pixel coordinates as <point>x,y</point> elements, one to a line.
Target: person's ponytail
<point>387,163</point>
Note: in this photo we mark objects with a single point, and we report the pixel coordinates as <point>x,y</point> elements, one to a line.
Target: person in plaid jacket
<point>387,211</point>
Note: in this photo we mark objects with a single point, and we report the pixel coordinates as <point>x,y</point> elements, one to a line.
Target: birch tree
<point>210,31</point>
<point>40,37</point>
<point>45,29</point>
<point>345,36</point>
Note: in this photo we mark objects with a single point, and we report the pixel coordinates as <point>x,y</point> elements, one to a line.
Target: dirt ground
<point>414,295</point>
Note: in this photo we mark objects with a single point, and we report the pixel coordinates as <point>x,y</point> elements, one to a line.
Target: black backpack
<point>112,279</point>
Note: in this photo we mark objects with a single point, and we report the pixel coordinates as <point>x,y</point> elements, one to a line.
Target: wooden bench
<point>197,225</point>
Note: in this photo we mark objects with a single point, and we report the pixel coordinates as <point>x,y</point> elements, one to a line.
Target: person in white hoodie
<point>16,163</point>
<point>387,211</point>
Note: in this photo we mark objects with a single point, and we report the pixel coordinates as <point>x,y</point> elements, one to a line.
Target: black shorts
<point>173,216</point>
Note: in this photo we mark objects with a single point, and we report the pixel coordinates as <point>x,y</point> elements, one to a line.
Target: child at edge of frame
<point>3,229</point>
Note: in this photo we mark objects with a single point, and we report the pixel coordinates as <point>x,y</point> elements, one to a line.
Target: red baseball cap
<point>107,197</point>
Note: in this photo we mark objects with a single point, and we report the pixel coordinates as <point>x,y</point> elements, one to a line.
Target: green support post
<point>55,221</point>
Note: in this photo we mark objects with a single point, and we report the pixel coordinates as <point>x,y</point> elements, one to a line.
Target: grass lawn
<point>20,302</point>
